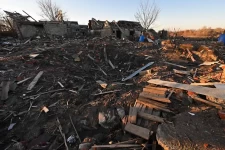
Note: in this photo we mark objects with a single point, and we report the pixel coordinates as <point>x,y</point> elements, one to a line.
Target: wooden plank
<point>5,89</point>
<point>154,106</point>
<point>138,131</point>
<point>128,142</point>
<point>142,110</point>
<point>175,65</point>
<point>153,94</point>
<point>136,72</point>
<point>171,92</point>
<point>132,118</point>
<point>154,97</point>
<point>150,117</point>
<point>156,88</point>
<point>138,106</point>
<point>205,84</point>
<point>191,55</point>
<point>160,92</point>
<point>181,72</point>
<point>214,92</point>
<point>209,63</point>
<point>148,111</point>
<point>152,102</point>
<point>23,80</point>
<point>220,86</point>
<point>116,146</point>
<point>207,102</point>
<point>156,112</point>
<point>35,80</point>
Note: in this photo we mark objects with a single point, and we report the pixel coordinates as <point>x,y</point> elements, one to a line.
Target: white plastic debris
<point>71,139</point>
<point>191,113</point>
<point>11,126</point>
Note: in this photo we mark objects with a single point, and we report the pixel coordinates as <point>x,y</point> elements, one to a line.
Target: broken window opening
<point>132,33</point>
<point>118,34</point>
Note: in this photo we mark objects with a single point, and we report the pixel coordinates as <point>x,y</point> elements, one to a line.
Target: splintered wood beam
<point>154,97</point>
<point>156,88</point>
<point>160,92</point>
<point>214,92</point>
<point>207,102</point>
<point>141,110</point>
<point>132,118</point>
<point>163,105</point>
<point>175,65</point>
<point>150,117</point>
<point>138,131</point>
<point>35,80</point>
<point>136,72</point>
<point>154,106</point>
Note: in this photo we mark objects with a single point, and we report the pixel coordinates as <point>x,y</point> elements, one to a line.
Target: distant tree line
<point>203,32</point>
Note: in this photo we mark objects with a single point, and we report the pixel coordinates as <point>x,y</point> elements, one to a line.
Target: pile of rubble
<point>106,93</point>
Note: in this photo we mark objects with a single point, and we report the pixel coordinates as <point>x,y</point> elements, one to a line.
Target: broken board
<point>214,92</point>
<point>159,92</point>
<point>153,106</point>
<point>155,97</point>
<point>153,102</point>
<point>132,115</point>
<point>150,117</point>
<point>142,110</point>
<point>5,89</point>
<point>138,131</point>
<point>35,80</point>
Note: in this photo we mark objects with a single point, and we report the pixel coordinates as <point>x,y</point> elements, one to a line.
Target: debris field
<point>109,93</point>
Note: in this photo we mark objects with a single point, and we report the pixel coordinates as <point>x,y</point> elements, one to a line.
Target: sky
<point>178,14</point>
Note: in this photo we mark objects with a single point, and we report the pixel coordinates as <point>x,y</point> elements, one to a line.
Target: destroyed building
<point>95,26</point>
<point>163,34</point>
<point>27,29</point>
<point>66,28</point>
<point>122,29</point>
<point>23,26</point>
<point>83,29</point>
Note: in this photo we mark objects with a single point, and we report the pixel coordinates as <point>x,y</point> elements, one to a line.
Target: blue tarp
<point>222,38</point>
<point>142,38</point>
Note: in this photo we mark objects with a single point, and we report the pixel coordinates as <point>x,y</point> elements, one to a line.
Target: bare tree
<point>50,10</point>
<point>147,13</point>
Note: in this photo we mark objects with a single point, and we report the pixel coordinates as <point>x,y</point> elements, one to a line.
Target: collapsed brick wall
<point>28,31</point>
<point>59,29</point>
<point>106,32</point>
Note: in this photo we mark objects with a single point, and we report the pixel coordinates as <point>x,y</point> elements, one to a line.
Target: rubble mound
<point>199,131</point>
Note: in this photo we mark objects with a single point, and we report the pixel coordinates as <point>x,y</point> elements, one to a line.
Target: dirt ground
<point>203,130</point>
<point>68,88</point>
